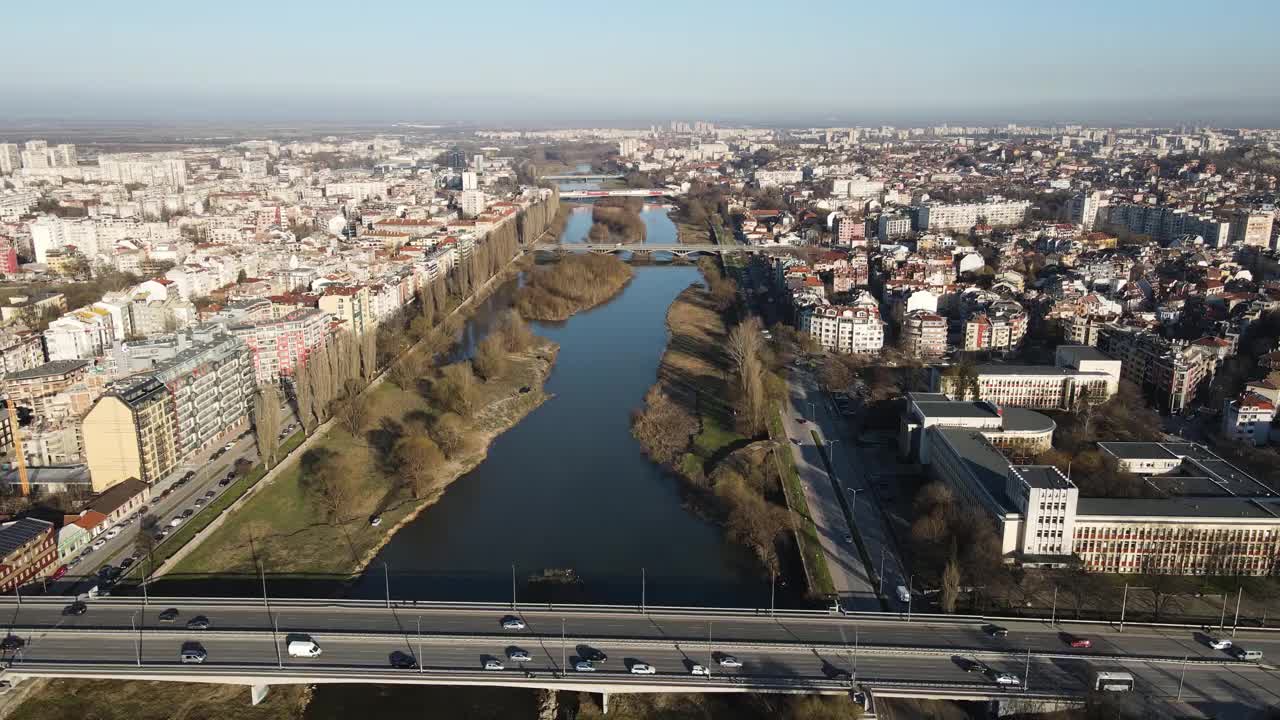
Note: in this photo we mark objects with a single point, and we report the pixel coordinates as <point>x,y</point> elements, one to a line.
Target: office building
<point>1079,374</point>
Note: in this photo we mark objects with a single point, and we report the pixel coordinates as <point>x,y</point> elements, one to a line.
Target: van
<point>194,655</point>
<point>903,594</point>
<point>1248,655</point>
<point>303,649</point>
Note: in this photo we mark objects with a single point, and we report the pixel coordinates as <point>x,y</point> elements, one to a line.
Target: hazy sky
<point>537,62</point>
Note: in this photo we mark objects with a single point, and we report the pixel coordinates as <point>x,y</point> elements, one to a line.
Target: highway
<point>813,649</point>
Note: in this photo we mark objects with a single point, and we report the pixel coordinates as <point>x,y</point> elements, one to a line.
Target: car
<point>584,666</point>
<point>76,608</point>
<point>848,537</point>
<point>11,643</point>
<point>166,492</point>
<point>228,446</point>
<point>1080,642</point>
<point>971,664</point>
<point>73,562</point>
<point>729,661</point>
<point>169,615</point>
<point>224,482</point>
<point>199,622</point>
<point>801,420</point>
<point>492,664</point>
<point>512,622</point>
<point>518,655</point>
<point>176,520</point>
<point>97,544</point>
<point>193,654</point>
<point>61,571</point>
<point>160,535</point>
<point>211,493</point>
<point>1219,643</point>
<point>697,669</point>
<point>1005,678</point>
<point>126,563</point>
<point>403,660</point>
<point>592,654</point>
<point>107,572</point>
<point>375,521</point>
<point>643,669</point>
<point>997,631</point>
<point>113,532</point>
<point>903,594</point>
<point>302,646</point>
<point>188,513</point>
<point>200,501</point>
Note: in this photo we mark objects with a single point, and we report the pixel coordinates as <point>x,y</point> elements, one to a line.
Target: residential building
<point>81,334</point>
<point>923,334</point>
<point>33,388</point>
<point>473,202</point>
<point>349,305</point>
<point>1252,227</point>
<point>1168,371</point>
<point>964,216</point>
<point>20,350</point>
<point>131,433</point>
<point>121,500</point>
<point>281,346</point>
<point>890,226</point>
<point>1084,209</point>
<point>1248,419</point>
<point>845,329</point>
<point>849,232</point>
<point>28,552</point>
<point>1000,327</point>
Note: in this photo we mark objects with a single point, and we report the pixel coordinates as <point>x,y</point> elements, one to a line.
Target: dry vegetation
<point>137,700</point>
<point>617,220</point>
<point>575,283</point>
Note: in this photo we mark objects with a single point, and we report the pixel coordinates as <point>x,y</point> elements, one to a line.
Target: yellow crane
<point>17,447</point>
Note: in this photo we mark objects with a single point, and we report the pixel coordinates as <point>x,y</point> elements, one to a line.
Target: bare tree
<point>419,460</point>
<point>950,583</point>
<point>449,434</point>
<point>266,422</point>
<point>304,394</point>
<point>352,413</point>
<point>491,357</point>
<point>455,389</point>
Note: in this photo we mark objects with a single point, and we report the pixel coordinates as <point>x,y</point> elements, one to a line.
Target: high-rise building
<point>470,181</point>
<point>1252,227</point>
<point>473,202</point>
<point>130,433</point>
<point>924,334</point>
<point>64,155</point>
<point>964,216</point>
<point>456,159</point>
<point>1084,207</point>
<point>10,158</point>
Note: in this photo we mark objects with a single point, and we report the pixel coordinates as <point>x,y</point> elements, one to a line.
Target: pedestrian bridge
<point>386,641</point>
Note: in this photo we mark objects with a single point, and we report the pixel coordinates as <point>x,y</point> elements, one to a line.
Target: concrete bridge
<point>246,643</point>
<point>673,249</point>
<point>584,178</point>
<point>640,192</point>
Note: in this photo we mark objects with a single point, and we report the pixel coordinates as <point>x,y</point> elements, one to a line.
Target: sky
<point>534,63</point>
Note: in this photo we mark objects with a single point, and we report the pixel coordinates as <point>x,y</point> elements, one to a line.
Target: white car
<point>1219,643</point>
<point>643,669</point>
<point>113,532</point>
<point>493,665</point>
<point>729,661</point>
<point>97,544</point>
<point>584,666</point>
<point>699,670</point>
<point>518,656</point>
<point>1007,679</point>
<point>176,521</point>
<point>512,623</point>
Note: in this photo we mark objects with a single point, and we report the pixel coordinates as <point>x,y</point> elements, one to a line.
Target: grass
<point>219,505</point>
<point>815,561</point>
<point>286,530</point>
<point>138,700</point>
<point>844,506</point>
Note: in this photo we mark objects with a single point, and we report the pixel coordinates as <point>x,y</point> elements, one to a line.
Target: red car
<point>57,574</point>
<point>1079,642</point>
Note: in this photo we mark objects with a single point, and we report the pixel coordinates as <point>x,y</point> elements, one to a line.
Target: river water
<point>568,487</point>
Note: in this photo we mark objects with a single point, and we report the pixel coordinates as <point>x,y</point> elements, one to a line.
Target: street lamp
<point>911,586</point>
<point>386,582</point>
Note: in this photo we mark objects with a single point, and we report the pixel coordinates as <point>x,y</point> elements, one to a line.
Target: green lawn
<point>820,582</point>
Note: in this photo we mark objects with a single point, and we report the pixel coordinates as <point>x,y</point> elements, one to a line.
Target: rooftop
<point>17,534</point>
<point>1193,508</point>
<point>49,369</point>
<point>1042,476</point>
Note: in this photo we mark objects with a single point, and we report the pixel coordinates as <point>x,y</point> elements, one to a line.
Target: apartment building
<point>923,334</point>
<point>279,347</point>
<point>34,388</point>
<point>889,226</point>
<point>20,351</point>
<point>1252,227</point>
<point>1248,419</point>
<point>964,216</point>
<point>1165,224</point>
<point>350,306</point>
<point>131,433</point>
<point>847,231</point>
<point>1084,209</point>
<point>81,334</point>
<point>28,551</point>
<point>1168,371</point>
<point>1000,327</point>
<point>1079,374</point>
<point>845,328</point>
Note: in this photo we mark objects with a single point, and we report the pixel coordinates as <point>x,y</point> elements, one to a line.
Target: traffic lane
<point>1041,637</point>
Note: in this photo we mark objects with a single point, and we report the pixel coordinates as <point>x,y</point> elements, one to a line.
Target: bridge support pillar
<point>257,693</point>
<point>604,702</point>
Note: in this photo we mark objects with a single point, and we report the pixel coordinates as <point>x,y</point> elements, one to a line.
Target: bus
<point>1113,681</point>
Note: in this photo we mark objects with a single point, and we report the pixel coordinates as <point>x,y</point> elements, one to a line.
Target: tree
<point>352,413</point>
<point>145,540</point>
<point>455,389</point>
<point>491,357</point>
<point>418,458</point>
<point>745,348</point>
<point>515,332</point>
<point>241,276</point>
<point>329,479</point>
<point>449,434</point>
<point>266,422</point>
<point>304,397</point>
<point>950,582</point>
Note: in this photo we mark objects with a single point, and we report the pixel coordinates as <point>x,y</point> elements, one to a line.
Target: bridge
<point>582,177</point>
<point>673,249</point>
<point>643,192</point>
<point>795,651</point>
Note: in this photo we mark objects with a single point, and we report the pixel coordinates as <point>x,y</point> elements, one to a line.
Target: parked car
<point>224,482</point>
<point>200,502</point>
<point>113,532</point>
<point>97,544</point>
<point>61,571</point>
<point>188,513</point>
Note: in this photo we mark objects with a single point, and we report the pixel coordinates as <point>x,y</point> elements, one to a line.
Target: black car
<point>169,615</point>
<point>403,660</point>
<point>10,643</point>
<point>107,572</point>
<point>198,622</point>
<point>75,608</point>
<point>125,563</point>
<point>595,656</point>
<point>224,482</point>
<point>997,631</point>
<point>188,513</point>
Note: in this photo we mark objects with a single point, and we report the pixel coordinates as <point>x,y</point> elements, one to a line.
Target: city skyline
<point>512,65</point>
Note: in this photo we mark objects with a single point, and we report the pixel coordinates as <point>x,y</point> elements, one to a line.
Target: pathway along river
<point>568,487</point>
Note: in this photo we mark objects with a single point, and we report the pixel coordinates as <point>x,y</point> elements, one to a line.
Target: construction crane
<point>17,447</point>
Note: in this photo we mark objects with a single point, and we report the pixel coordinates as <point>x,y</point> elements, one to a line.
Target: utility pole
<point>136,628</point>
<point>1222,621</point>
<point>911,584</point>
<point>855,654</point>
<point>709,653</point>
<point>386,582</point>
<point>564,654</point>
<point>643,582</point>
<point>1123,603</point>
<point>1236,623</point>
<point>773,587</point>
<point>147,574</point>
<point>419,643</point>
<point>513,587</point>
<point>882,569</point>
<point>275,639</point>
<point>1026,675</point>
<point>1053,618</point>
<point>1181,677</point>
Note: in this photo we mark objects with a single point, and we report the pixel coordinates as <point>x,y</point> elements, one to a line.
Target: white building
<point>145,168</point>
<point>473,202</point>
<point>1248,419</point>
<point>1080,373</point>
<point>81,334</point>
<point>964,216</point>
<point>1084,209</point>
<point>470,180</point>
<point>846,329</point>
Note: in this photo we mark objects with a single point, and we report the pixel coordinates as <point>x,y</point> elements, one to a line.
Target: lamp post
<point>1236,623</point>
<point>643,583</point>
<point>1026,674</point>
<point>564,653</point>
<point>386,582</point>
<point>709,653</point>
<point>773,588</point>
<point>911,586</point>
<point>853,503</point>
<point>136,627</point>
<point>1053,617</point>
<point>275,639</point>
<point>419,643</point>
<point>513,587</point>
<point>1124,602</point>
<point>831,458</point>
<point>1182,677</point>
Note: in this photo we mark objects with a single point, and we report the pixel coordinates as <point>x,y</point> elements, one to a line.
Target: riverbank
<point>572,284</point>
<point>687,425</point>
<point>287,533</point>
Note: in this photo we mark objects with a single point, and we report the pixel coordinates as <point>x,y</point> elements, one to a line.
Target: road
<point>208,472</point>
<point>882,648</point>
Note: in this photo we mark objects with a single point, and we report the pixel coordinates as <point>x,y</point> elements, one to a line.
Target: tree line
<point>575,282</point>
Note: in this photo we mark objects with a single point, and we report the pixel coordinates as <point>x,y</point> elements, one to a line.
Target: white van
<point>1248,655</point>
<point>303,649</point>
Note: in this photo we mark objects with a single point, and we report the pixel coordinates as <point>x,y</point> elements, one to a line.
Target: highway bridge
<point>786,651</point>
<point>641,192</point>
<point>673,249</point>
<point>584,178</point>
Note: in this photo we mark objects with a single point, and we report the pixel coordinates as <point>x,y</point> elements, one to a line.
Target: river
<point>568,487</point>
